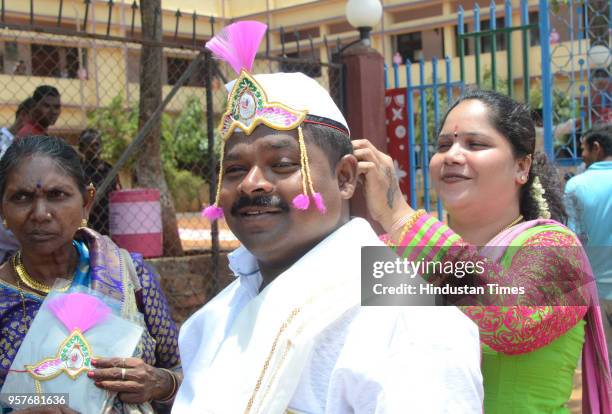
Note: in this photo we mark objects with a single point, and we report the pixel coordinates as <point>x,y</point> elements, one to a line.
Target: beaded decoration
<point>78,312</point>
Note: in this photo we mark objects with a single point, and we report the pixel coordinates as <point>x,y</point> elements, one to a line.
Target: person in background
<point>22,115</point>
<point>8,242</point>
<point>96,170</point>
<point>45,111</point>
<point>589,203</point>
<point>20,68</point>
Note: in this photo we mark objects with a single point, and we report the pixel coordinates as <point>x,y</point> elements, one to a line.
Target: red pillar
<point>365,107</point>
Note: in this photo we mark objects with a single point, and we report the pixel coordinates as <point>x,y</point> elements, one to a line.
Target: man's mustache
<point>259,201</point>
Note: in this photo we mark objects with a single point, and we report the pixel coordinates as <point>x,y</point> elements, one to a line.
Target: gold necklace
<point>23,305</point>
<point>28,280</point>
<point>515,221</point>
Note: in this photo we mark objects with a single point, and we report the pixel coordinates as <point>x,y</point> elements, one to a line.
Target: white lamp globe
<point>363,13</point>
<point>599,55</point>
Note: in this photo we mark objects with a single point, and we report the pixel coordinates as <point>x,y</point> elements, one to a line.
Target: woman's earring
<point>4,223</point>
<point>84,223</point>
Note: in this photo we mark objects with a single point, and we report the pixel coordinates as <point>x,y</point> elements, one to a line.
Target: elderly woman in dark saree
<point>45,202</point>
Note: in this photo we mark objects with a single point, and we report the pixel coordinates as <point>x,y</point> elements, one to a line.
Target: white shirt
<point>369,360</point>
<point>6,139</point>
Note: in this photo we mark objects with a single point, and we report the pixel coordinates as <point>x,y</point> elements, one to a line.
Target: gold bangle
<point>400,222</point>
<point>409,222</point>
<point>170,396</point>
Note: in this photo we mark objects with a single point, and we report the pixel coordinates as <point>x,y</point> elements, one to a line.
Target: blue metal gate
<point>576,60</point>
<point>421,138</point>
<point>573,92</point>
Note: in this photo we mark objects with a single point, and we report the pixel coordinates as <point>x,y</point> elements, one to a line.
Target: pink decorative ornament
<point>301,202</point>
<point>318,199</point>
<point>212,213</point>
<point>237,44</point>
<point>79,311</point>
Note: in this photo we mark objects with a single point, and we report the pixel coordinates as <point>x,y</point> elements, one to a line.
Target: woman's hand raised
<point>384,199</point>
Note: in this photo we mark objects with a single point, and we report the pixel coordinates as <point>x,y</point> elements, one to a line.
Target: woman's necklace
<point>515,221</point>
<point>28,280</point>
<point>23,304</point>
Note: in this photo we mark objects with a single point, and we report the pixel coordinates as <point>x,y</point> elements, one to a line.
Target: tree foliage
<point>117,125</point>
<point>189,133</point>
<point>184,145</point>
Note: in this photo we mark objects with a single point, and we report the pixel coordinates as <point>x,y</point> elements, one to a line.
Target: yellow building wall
<point>108,61</point>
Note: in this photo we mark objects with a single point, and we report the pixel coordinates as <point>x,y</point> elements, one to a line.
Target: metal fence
<point>426,101</point>
<point>577,76</point>
<point>569,39</point>
<point>99,79</point>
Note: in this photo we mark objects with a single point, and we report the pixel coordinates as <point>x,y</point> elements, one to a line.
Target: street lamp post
<point>364,86</point>
<point>363,15</point>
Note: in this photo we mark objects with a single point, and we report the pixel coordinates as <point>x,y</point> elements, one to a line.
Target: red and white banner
<point>396,121</point>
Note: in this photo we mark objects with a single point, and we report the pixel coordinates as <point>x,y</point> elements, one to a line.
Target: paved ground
<point>194,231</point>
<point>575,404</point>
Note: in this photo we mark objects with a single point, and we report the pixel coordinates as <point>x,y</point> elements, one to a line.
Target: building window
<point>500,38</point>
<point>308,66</point>
<point>302,34</point>
<point>133,65</point>
<point>409,46</point>
<point>9,57</point>
<point>534,33</point>
<point>468,42</point>
<point>55,61</point>
<point>2,58</point>
<point>176,66</point>
<point>341,27</point>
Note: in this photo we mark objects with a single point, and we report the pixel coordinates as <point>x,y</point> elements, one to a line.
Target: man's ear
<point>346,173</point>
<point>597,150</point>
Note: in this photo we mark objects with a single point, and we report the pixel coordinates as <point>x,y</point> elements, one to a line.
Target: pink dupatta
<point>596,383</point>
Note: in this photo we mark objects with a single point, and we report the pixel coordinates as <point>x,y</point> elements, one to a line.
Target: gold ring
<point>123,374</point>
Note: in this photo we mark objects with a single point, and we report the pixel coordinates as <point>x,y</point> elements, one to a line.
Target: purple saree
<point>108,274</point>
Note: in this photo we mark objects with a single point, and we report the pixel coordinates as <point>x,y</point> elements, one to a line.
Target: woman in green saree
<point>502,195</point>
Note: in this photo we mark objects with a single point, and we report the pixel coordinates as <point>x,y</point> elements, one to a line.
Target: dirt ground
<point>575,403</point>
<point>194,231</point>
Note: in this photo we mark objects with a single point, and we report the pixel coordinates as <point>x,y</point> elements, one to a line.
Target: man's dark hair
<point>24,106</point>
<point>55,148</point>
<point>601,134</point>
<point>88,135</point>
<point>43,91</point>
<point>334,143</point>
